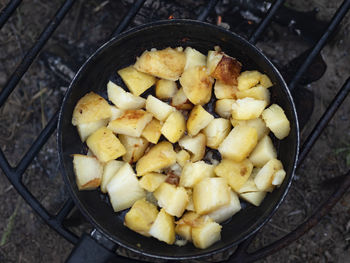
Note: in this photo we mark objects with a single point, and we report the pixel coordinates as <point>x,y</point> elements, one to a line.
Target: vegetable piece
<point>223,91</point>
<point>105,145</point>
<point>216,132</point>
<point>182,157</point>
<point>123,189</point>
<point>206,234</point>
<point>163,228</point>
<point>180,101</point>
<point>122,99</point>
<point>239,143</point>
<point>131,123</point>
<point>158,108</point>
<point>116,113</point>
<point>184,226</point>
<point>91,108</point>
<point>174,126</point>
<point>135,147</point>
<point>210,194</point>
<point>247,108</point>
<point>141,216</point>
<point>213,59</point>
<point>152,132</point>
<point>192,173</point>
<point>278,177</point>
<point>151,181</point>
<point>263,152</point>
<point>227,211</point>
<point>168,63</point>
<point>199,119</point>
<point>257,124</point>
<point>194,58</point>
<point>254,198</point>
<point>236,173</point>
<point>109,170</point>
<point>227,70</point>
<point>86,129</point>
<point>265,81</point>
<point>263,179</point>
<point>224,107</point>
<point>259,93</point>
<point>277,121</point>
<point>248,79</point>
<point>195,145</point>
<point>136,81</point>
<point>160,156</point>
<point>88,171</point>
<point>165,89</point>
<point>172,198</point>
<point>197,85</point>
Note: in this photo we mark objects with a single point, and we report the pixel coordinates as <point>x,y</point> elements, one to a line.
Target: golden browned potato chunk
<point>248,79</point>
<point>88,171</point>
<point>105,145</point>
<point>86,129</point>
<point>90,108</point>
<point>195,145</point>
<point>258,93</point>
<point>174,127</point>
<point>168,63</point>
<point>224,107</point>
<point>206,234</point>
<point>141,217</point>
<point>160,156</point>
<point>192,173</point>
<point>247,108</point>
<point>165,89</point>
<point>163,228</point>
<point>227,211</point>
<point>151,181</point>
<point>152,131</point>
<point>199,119</point>
<point>135,147</point>
<point>158,108</point>
<point>136,81</point>
<point>277,121</point>
<point>257,124</point>
<point>263,152</point>
<point>180,101</point>
<point>197,85</point>
<point>216,132</point>
<point>184,225</point>
<point>264,177</point>
<point>223,91</point>
<point>182,157</point>
<point>194,58</point>
<point>227,70</point>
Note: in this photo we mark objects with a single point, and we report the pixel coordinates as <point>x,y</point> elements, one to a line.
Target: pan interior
<point>122,52</point>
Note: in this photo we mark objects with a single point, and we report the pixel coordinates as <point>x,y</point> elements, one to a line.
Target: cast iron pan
<point>122,51</point>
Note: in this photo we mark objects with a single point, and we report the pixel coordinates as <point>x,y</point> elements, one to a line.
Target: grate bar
<point>336,19</point>
<point>205,13</point>
<point>128,17</point>
<point>67,207</point>
<point>4,164</point>
<point>36,146</point>
<point>266,21</point>
<point>35,49</point>
<point>322,123</point>
<point>6,12</point>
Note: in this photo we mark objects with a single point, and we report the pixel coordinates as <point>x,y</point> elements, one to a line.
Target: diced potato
<point>224,107</point>
<point>277,121</point>
<point>109,170</point>
<point>168,63</point>
<point>135,147</point>
<point>88,171</point>
<point>190,205</point>
<point>210,194</point>
<point>194,58</point>
<point>199,119</point>
<point>249,185</point>
<point>184,226</point>
<point>174,127</point>
<point>136,81</point>
<point>123,189</point>
<point>248,79</point>
<point>258,93</point>
<point>197,85</point>
<point>227,211</point>
<point>152,131</point>
<point>227,70</point>
<point>141,217</point>
<point>131,123</point>
<point>165,89</point>
<point>180,101</point>
<point>116,113</point>
<point>263,179</point>
<point>105,145</point>
<point>236,173</point>
<point>263,152</point>
<point>254,198</point>
<point>278,177</point>
<point>86,129</point>
<point>158,108</point>
<point>163,228</point>
<point>258,124</point>
<point>213,59</point>
<point>91,108</point>
<point>265,81</point>
<point>195,145</point>
<point>223,91</point>
<point>192,173</point>
<point>216,132</point>
<point>151,181</point>
<point>172,198</point>
<point>206,234</point>
<point>247,108</point>
<point>160,156</point>
<point>122,99</point>
<point>239,143</point>
<point>182,157</point>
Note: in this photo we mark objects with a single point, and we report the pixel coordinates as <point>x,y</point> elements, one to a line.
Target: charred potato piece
<point>227,70</point>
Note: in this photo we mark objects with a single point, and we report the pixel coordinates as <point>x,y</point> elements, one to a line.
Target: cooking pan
<point>122,51</point>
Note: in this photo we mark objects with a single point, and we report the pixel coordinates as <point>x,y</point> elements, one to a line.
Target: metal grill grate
<point>14,174</point>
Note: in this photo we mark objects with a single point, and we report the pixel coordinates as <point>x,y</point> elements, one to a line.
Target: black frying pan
<point>122,51</point>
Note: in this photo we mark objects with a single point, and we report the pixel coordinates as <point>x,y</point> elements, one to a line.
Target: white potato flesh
<point>227,211</point>
<point>158,108</point>
<point>194,58</point>
<point>88,171</point>
<point>109,170</point>
<point>122,99</point>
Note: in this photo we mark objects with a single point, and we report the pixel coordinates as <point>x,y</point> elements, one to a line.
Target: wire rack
<point>14,173</point>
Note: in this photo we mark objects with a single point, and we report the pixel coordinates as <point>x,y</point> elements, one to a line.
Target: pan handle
<point>89,250</point>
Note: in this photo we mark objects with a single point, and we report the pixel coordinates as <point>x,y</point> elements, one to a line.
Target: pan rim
<point>120,37</point>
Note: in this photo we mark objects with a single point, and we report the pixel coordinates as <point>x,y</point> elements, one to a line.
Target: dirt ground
<point>23,235</point>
